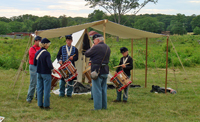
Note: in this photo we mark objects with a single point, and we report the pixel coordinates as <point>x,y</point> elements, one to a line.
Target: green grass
<point>142,104</point>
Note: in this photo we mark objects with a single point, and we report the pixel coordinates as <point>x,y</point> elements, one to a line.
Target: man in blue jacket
<point>66,52</point>
<point>44,65</point>
<point>99,55</point>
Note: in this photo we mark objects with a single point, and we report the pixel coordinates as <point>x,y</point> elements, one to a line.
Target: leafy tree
<point>46,22</point>
<point>196,31</point>
<point>96,15</point>
<point>149,24</point>
<point>15,26</point>
<point>27,26</point>
<point>118,8</point>
<point>4,28</point>
<point>4,19</point>
<point>176,28</point>
<point>188,21</point>
<point>195,22</point>
<point>63,21</point>
<point>22,18</point>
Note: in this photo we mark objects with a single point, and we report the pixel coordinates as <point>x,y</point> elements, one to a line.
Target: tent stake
<point>166,65</point>
<point>146,63</point>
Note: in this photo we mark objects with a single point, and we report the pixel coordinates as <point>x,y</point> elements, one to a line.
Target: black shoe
<point>116,101</point>
<point>29,101</point>
<point>47,108</point>
<point>69,96</point>
<point>90,98</point>
<point>41,107</point>
<point>124,101</point>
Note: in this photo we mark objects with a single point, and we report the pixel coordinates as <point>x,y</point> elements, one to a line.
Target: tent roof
<point>111,28</point>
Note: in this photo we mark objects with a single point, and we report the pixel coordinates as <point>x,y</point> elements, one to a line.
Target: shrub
<point>196,31</point>
<point>164,47</point>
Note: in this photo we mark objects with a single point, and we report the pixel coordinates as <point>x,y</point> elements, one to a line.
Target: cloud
<point>70,5</point>
<point>195,1</point>
<point>10,12</point>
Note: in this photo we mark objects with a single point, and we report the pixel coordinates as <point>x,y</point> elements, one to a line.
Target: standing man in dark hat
<point>126,68</point>
<point>33,69</point>
<point>99,55</point>
<point>44,68</point>
<point>66,52</point>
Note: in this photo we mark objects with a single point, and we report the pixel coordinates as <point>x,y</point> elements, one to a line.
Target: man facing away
<point>99,55</point>
<point>44,69</point>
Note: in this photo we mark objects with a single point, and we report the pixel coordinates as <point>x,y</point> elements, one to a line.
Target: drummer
<point>126,68</point>
<point>66,52</point>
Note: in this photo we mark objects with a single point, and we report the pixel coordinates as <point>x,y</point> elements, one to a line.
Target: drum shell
<point>55,78</point>
<point>87,73</point>
<point>120,80</point>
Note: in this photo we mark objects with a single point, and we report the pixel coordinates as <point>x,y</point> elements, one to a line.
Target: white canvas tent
<point>109,27</point>
<point>104,26</point>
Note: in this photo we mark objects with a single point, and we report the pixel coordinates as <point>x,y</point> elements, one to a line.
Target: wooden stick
<point>120,65</point>
<point>68,58</point>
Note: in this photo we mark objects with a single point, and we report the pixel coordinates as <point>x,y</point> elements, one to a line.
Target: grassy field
<point>142,104</point>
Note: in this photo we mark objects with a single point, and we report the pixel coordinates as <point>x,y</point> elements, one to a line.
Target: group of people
<point>41,68</point>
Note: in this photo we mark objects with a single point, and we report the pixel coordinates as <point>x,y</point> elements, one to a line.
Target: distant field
<point>187,47</point>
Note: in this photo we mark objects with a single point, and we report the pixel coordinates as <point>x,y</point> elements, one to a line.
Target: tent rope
<point>22,63</point>
<point>181,64</point>
<point>174,76</point>
<point>22,82</point>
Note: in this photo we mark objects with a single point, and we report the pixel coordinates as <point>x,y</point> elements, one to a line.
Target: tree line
<point>176,24</point>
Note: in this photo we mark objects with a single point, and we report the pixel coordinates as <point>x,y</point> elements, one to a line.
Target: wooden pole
<point>166,65</point>
<point>146,63</point>
<point>104,30</point>
<point>132,58</point>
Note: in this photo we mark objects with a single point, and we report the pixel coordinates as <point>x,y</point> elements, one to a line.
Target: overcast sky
<point>75,8</point>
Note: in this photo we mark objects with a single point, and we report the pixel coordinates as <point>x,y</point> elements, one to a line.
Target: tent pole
<point>104,33</point>
<point>132,58</point>
<point>146,63</point>
<point>166,65</point>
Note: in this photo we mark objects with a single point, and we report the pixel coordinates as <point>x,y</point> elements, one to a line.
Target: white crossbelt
<point>124,61</point>
<point>69,51</point>
<point>39,54</point>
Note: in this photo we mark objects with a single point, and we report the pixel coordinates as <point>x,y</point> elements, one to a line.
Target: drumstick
<point>120,65</point>
<point>68,58</point>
